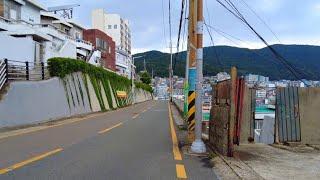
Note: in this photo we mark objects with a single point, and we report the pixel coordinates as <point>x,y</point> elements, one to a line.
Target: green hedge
<point>61,67</point>
<point>144,86</point>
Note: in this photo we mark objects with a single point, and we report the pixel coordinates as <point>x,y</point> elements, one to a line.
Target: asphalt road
<point>135,142</point>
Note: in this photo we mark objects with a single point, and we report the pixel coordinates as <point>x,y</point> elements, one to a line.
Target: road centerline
<point>28,161</point>
<point>108,129</point>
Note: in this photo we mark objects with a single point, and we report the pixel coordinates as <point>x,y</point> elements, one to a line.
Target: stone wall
<point>219,128</point>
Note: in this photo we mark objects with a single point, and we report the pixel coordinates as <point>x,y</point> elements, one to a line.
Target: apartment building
<point>118,28</point>
<point>16,28</point>
<point>72,35</point>
<point>25,10</point>
<point>104,43</point>
<point>39,35</point>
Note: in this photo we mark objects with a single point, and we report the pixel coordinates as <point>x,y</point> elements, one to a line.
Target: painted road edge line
<point>28,161</point>
<point>135,116</point>
<point>176,150</point>
<point>108,129</point>
<point>181,171</point>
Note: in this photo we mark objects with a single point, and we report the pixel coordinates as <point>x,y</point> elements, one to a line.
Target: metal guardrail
<point>26,71</point>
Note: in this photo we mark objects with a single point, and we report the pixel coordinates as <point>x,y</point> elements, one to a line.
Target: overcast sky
<point>293,21</point>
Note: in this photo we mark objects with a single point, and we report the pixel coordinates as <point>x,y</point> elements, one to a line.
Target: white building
<point>261,93</point>
<point>123,63</point>
<point>117,28</point>
<point>253,78</point>
<point>18,33</point>
<point>36,34</point>
<point>222,76</point>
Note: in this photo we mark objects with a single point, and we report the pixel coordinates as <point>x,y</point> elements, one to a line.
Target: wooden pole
<point>232,116</point>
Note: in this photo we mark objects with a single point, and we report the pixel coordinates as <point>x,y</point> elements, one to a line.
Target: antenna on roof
<point>66,10</point>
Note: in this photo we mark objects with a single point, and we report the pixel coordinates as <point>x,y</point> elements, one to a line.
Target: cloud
<point>294,22</point>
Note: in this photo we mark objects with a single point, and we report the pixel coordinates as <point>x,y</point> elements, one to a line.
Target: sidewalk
<point>277,163</point>
<point>198,167</point>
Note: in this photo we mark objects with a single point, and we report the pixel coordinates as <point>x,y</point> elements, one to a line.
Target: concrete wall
<point>30,13</point>
<point>30,102</point>
<point>33,102</point>
<point>141,96</point>
<point>97,18</point>
<point>25,45</point>
<point>68,49</point>
<point>309,107</point>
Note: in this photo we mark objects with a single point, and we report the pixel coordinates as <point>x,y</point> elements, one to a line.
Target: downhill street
<point>131,143</point>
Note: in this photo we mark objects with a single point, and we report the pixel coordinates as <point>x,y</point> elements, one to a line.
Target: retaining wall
<point>29,102</point>
<point>309,107</point>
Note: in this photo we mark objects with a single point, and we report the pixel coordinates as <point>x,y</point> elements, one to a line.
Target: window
<point>109,26</point>
<point>101,44</point>
<point>13,14</point>
<point>115,26</point>
<point>78,35</point>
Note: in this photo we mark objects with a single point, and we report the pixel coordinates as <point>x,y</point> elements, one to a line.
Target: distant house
<point>104,43</point>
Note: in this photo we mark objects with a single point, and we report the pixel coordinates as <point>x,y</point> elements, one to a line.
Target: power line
<point>239,16</point>
<point>256,14</point>
<point>211,37</point>
<point>179,32</point>
<point>213,44</point>
<point>163,24</point>
<point>225,35</point>
<point>170,28</point>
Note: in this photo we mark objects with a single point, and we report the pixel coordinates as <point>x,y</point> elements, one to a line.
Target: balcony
<point>23,28</point>
<point>4,24</point>
<point>84,44</point>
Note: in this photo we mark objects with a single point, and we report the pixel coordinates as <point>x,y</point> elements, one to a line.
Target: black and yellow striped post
<point>191,115</point>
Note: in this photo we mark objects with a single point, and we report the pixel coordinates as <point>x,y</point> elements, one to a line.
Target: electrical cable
<point>238,15</point>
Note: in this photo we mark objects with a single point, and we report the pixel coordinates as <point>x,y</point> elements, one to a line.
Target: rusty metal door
<point>288,115</point>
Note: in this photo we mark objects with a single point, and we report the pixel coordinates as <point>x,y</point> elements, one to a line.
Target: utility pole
<point>132,79</point>
<point>186,84</point>
<point>144,65</point>
<point>152,73</point>
<point>192,68</point>
<point>198,146</point>
<point>170,71</point>
<point>133,69</point>
<point>170,66</point>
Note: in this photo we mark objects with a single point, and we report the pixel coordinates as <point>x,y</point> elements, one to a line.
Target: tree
<point>145,77</point>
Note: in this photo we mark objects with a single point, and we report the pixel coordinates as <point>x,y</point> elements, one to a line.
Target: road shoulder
<point>197,166</point>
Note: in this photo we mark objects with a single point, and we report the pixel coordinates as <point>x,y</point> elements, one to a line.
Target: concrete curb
<point>179,109</point>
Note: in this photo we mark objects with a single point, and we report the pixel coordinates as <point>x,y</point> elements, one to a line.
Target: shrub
<point>61,67</point>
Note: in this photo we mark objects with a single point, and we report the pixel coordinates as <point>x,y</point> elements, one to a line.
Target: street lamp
<point>132,74</point>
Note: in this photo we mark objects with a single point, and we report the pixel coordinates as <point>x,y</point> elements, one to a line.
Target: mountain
<point>258,61</point>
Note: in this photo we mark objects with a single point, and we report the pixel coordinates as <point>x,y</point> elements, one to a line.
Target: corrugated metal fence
<point>288,115</point>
